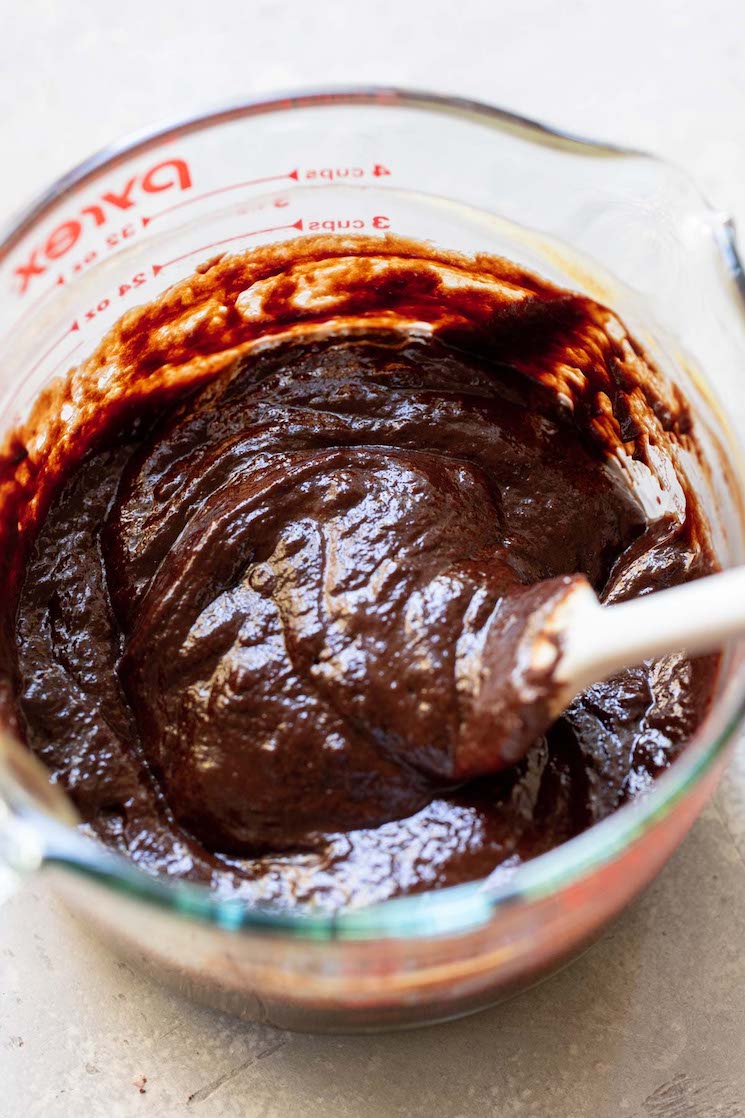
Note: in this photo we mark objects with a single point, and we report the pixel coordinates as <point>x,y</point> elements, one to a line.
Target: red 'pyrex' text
<point>162,176</point>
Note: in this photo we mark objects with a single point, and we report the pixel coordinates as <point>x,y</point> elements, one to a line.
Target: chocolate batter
<point>267,601</point>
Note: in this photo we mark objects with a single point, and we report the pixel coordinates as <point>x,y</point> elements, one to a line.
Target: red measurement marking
<point>221,190</point>
<point>162,176</point>
<point>345,224</point>
<point>53,346</point>
<point>214,244</point>
<point>332,174</point>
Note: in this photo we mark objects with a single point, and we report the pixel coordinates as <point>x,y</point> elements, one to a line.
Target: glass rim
<point>456,908</point>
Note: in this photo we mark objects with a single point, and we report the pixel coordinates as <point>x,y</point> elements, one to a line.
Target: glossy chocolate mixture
<point>265,605</point>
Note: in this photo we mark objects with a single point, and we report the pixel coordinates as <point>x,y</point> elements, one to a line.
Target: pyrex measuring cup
<point>622,227</point>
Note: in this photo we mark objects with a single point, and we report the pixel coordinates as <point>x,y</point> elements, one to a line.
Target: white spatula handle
<point>696,617</point>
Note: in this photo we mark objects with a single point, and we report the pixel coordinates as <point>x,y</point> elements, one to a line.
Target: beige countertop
<point>650,1023</point>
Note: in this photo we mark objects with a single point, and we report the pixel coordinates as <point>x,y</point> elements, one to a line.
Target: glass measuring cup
<point>618,225</point>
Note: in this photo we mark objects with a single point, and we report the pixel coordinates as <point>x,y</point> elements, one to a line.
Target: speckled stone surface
<point>650,1023</point>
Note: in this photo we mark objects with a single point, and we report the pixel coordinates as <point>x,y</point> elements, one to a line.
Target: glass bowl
<point>619,225</point>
